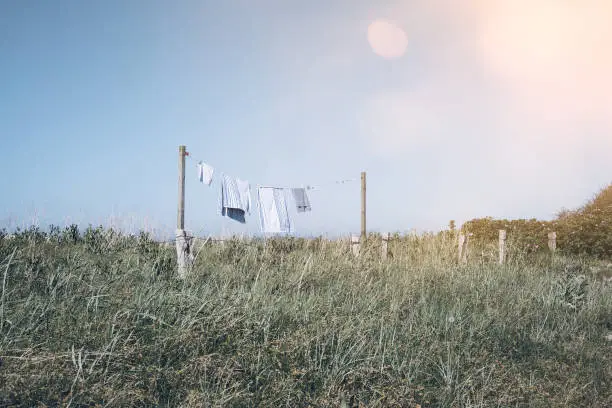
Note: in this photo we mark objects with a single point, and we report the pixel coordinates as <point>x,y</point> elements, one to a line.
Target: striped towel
<point>301,199</point>
<point>234,198</point>
<point>273,213</point>
<point>205,173</point>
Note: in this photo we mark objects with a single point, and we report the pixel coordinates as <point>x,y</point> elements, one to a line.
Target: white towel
<point>205,173</point>
<point>273,214</point>
<point>244,190</point>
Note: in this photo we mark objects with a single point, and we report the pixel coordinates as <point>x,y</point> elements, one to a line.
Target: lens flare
<point>386,39</point>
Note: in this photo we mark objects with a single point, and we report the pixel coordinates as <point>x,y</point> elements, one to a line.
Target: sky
<point>455,109</point>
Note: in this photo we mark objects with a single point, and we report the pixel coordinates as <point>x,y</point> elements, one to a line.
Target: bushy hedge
<point>529,235</point>
<point>585,231</point>
<point>588,230</point>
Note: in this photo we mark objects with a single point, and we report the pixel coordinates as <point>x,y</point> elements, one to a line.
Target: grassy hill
<point>99,319</point>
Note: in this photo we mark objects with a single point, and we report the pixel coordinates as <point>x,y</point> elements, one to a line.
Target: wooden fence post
<point>552,241</point>
<point>463,243</point>
<point>355,245</point>
<point>184,252</point>
<point>385,245</point>
<point>502,246</point>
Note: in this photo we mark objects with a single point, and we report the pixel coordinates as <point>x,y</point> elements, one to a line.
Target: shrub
<point>585,231</point>
<point>588,230</point>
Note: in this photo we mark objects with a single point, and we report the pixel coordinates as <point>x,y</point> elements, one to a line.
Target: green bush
<point>588,230</point>
<point>585,231</point>
<point>527,235</point>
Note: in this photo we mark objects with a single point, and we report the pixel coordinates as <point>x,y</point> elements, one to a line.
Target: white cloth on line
<point>234,198</point>
<point>273,213</point>
<point>205,173</point>
<point>244,190</point>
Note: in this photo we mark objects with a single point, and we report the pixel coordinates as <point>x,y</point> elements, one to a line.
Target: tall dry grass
<point>99,318</point>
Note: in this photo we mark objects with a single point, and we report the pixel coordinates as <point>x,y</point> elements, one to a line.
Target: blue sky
<point>496,108</point>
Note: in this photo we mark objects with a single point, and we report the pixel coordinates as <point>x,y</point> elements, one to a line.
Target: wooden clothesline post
<point>363,207</point>
<point>358,240</point>
<point>180,222</point>
<point>184,253</point>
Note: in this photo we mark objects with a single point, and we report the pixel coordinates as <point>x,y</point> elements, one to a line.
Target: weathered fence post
<point>355,245</point>
<point>385,245</point>
<point>184,254</point>
<point>463,243</point>
<point>502,246</point>
<point>552,241</point>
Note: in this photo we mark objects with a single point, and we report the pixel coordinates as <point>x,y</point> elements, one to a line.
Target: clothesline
<point>235,199</point>
<point>307,187</point>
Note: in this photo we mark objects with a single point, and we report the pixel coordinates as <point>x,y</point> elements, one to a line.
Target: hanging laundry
<point>205,173</point>
<point>273,214</point>
<point>234,198</point>
<point>244,190</point>
<point>301,199</point>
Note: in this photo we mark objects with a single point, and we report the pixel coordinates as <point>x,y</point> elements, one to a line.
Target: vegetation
<point>585,231</point>
<point>101,319</point>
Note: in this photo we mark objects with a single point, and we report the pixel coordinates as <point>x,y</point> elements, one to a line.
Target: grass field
<point>99,319</point>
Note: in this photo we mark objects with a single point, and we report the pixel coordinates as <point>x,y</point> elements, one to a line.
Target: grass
<point>101,320</point>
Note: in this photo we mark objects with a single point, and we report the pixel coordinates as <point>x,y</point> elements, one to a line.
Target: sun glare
<point>386,39</point>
